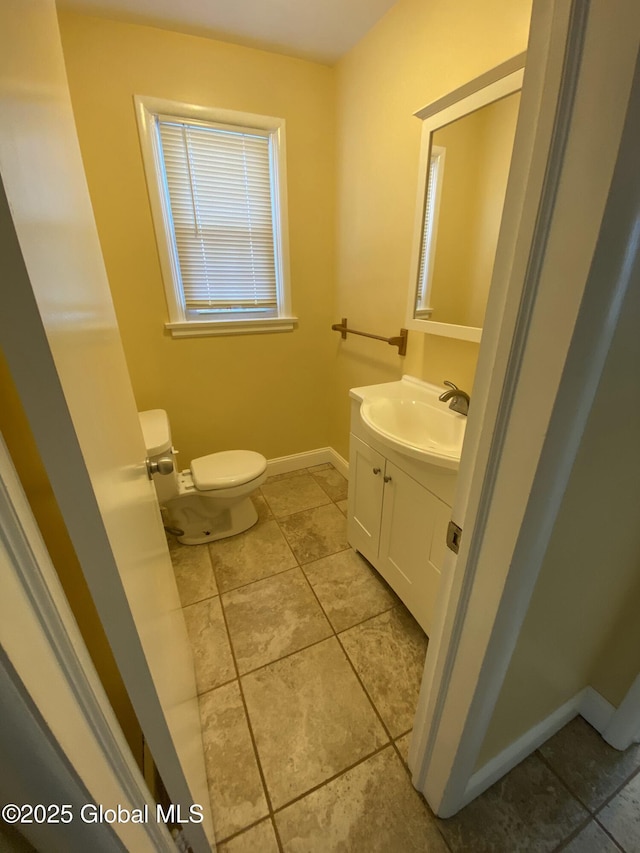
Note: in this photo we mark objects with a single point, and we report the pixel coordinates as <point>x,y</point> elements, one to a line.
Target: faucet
<point>459,399</point>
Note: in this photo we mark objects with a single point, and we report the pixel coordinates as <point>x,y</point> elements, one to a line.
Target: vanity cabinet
<point>397,522</point>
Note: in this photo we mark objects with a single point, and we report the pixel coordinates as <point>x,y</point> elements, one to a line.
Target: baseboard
<point>516,752</point>
<point>623,728</point>
<point>589,704</point>
<point>307,459</point>
<point>339,463</point>
<point>596,710</point>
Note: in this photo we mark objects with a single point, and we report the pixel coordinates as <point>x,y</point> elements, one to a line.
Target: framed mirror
<point>467,141</point>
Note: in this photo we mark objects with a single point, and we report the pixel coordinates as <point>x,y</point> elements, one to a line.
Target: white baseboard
<point>596,710</point>
<point>623,728</point>
<point>517,751</point>
<point>307,459</point>
<point>588,704</point>
<point>339,463</point>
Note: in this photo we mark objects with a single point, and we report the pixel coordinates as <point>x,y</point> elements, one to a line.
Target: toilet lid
<point>226,469</point>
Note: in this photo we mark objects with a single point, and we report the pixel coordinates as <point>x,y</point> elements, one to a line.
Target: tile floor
<point>308,669</point>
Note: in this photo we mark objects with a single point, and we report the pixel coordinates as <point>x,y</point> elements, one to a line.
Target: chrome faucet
<point>459,399</point>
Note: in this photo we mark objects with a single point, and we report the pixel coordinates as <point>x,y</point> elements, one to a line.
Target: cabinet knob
<point>387,479</point>
<point>376,470</point>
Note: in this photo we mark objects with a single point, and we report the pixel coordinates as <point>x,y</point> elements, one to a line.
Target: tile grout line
<point>254,746</point>
<point>219,595</point>
<point>618,790</point>
<point>564,784</point>
<point>277,519</point>
<point>335,633</point>
<point>615,841</point>
<point>592,813</point>
<point>333,778</point>
<point>216,687</point>
<point>239,832</point>
<point>596,811</point>
<point>350,662</point>
<point>432,816</point>
<point>390,742</point>
<point>316,481</point>
<point>311,645</point>
<point>585,822</point>
<point>251,733</point>
<point>394,744</point>
<point>562,845</point>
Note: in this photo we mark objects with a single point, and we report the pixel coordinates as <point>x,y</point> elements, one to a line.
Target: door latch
<point>454,535</point>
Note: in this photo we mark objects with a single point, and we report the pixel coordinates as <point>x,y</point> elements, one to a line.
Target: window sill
<point>203,328</point>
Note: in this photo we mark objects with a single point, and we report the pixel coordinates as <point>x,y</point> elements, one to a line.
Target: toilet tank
<point>156,432</point>
<point>157,441</point>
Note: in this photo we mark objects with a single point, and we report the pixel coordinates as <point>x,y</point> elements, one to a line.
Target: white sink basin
<point>412,420</point>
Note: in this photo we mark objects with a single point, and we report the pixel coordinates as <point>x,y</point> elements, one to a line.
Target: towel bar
<point>399,341</point>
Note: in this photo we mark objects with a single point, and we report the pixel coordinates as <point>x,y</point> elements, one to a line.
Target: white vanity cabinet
<point>398,513</point>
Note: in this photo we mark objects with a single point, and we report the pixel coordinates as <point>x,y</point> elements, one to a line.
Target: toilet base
<point>204,522</point>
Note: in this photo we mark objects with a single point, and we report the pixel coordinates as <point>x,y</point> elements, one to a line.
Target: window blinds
<point>219,189</point>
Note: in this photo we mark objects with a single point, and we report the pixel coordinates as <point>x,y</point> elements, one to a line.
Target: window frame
<point>148,110</point>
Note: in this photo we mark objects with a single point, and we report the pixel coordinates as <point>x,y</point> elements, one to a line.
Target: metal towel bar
<point>399,341</point>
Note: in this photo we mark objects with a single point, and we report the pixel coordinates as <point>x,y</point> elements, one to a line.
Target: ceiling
<point>319,30</point>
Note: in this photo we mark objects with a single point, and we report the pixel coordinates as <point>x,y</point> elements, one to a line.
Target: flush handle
<point>164,465</point>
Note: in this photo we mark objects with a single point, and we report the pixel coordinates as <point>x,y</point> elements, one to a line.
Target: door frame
<point>540,362</point>
<point>80,754</point>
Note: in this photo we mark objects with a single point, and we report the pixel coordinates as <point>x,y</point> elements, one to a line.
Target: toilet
<point>210,500</point>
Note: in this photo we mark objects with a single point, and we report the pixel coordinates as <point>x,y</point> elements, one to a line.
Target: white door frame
<point>552,313</point>
<point>56,702</point>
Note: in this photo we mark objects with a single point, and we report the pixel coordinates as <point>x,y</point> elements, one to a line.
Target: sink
<point>408,417</point>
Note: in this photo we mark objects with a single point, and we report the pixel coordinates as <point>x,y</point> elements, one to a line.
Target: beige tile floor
<point>308,669</point>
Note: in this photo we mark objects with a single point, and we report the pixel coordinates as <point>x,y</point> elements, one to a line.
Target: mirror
<point>467,141</point>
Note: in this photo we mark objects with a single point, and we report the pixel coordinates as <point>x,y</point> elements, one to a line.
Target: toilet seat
<point>226,469</point>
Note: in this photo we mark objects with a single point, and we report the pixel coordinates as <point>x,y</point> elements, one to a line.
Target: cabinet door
<point>366,469</point>
<point>413,522</point>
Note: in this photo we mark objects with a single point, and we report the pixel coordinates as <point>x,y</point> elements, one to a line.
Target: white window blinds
<point>220,194</point>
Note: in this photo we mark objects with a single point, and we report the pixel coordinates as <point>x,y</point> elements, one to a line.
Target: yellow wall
<point>266,392</point>
<point>582,625</point>
<point>17,435</point>
<point>353,147</point>
<point>417,53</point>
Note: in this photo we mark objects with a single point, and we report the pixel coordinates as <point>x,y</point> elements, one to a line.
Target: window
<point>429,231</point>
<point>217,183</point>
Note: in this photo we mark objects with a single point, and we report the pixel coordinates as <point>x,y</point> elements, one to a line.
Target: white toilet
<point>210,500</point>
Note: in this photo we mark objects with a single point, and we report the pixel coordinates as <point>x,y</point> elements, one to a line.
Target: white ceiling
<point>320,30</point>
